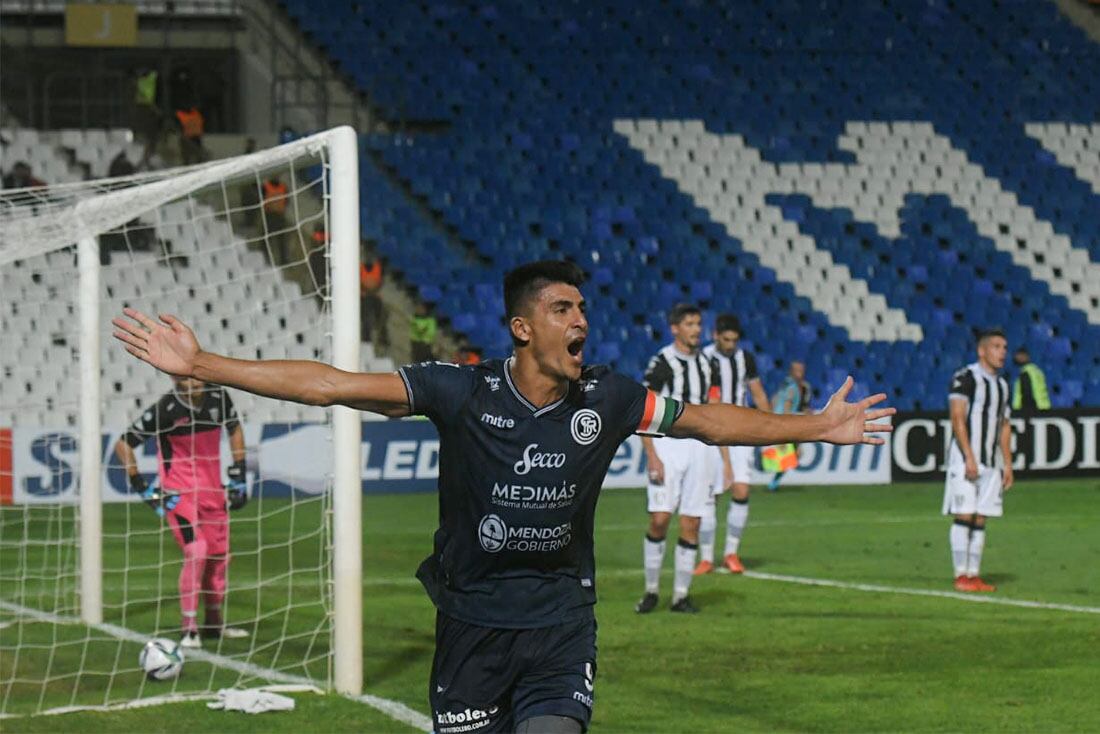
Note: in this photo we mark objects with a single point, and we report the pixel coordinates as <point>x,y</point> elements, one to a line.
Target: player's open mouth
<point>576,349</point>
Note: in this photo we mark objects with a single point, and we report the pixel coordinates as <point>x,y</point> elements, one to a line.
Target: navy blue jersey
<point>518,487</point>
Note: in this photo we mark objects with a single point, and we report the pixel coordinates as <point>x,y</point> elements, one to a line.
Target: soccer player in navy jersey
<point>524,446</point>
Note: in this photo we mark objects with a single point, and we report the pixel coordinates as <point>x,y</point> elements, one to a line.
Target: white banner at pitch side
<point>397,456</point>
<point>818,463</point>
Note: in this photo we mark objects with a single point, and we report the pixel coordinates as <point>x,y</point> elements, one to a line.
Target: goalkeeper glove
<point>237,489</point>
<point>160,502</point>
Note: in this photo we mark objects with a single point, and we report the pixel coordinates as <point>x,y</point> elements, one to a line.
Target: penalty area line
<point>393,709</point>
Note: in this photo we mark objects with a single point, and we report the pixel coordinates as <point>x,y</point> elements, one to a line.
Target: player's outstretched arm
<point>841,423</point>
<point>170,346</point>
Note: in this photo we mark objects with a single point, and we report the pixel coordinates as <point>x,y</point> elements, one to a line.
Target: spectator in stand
<point>318,263</point>
<point>422,334</point>
<point>1029,392</point>
<point>135,235</point>
<point>192,126</point>
<point>275,198</point>
<point>21,177</point>
<point>147,118</point>
<point>121,166</point>
<point>467,354</point>
<point>372,310</point>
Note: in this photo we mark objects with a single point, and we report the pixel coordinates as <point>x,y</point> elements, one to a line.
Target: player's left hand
<point>237,489</point>
<point>1007,478</point>
<point>727,476</point>
<point>849,423</point>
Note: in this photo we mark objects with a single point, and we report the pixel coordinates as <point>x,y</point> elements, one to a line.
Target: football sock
<point>213,585</point>
<point>654,556</point>
<point>974,554</point>
<point>685,564</point>
<point>194,557</point>
<point>707,526</point>
<point>736,520</point>
<point>960,543</point>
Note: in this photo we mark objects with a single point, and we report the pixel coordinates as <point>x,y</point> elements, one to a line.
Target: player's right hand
<point>656,470</point>
<point>158,501</point>
<point>971,471</point>
<point>170,345</point>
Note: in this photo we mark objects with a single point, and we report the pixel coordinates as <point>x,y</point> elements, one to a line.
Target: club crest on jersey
<point>214,414</point>
<point>585,426</point>
<point>493,382</point>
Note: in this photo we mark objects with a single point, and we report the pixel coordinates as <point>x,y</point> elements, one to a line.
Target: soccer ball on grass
<point>161,659</point>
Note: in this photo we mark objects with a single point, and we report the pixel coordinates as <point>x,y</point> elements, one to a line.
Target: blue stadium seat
<point>550,178</point>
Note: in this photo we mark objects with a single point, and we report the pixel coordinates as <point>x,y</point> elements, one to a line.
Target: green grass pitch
<point>764,654</point>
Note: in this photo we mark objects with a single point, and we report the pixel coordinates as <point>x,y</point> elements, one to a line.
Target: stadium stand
<point>38,357</point>
<point>531,165</point>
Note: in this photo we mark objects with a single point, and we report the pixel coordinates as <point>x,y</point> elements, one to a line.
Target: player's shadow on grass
<point>755,564</point>
<point>997,579</point>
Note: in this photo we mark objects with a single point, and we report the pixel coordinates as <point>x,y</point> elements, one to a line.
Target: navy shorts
<point>487,679</point>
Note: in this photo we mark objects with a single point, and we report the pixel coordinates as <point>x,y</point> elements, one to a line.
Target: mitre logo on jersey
<point>534,459</point>
<point>495,536</point>
<point>498,421</point>
<point>585,426</point>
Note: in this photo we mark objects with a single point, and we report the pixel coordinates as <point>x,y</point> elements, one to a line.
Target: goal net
<point>258,254</point>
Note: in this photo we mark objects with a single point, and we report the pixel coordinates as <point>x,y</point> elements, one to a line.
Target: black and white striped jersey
<point>732,373</point>
<point>988,400</point>
<point>673,374</point>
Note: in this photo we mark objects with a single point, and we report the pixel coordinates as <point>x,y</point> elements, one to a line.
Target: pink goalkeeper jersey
<point>188,438</point>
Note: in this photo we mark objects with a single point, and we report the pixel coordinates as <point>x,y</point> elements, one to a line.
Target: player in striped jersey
<point>681,472</point>
<point>980,410</point>
<point>735,377</point>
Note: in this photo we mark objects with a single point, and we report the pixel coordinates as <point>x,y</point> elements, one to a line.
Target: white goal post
<point>39,224</point>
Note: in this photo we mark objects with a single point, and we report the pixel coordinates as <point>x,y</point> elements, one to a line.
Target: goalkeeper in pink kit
<point>187,423</point>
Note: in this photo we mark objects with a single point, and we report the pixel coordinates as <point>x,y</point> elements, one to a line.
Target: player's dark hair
<point>991,332</point>
<point>1023,350</point>
<point>523,283</point>
<point>727,322</point>
<point>681,311</point>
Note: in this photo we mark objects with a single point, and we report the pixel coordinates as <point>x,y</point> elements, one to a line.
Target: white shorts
<point>741,458</point>
<point>964,497</point>
<point>689,477</point>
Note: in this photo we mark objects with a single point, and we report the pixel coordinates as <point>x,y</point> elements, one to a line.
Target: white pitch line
<point>394,709</point>
<point>876,588</point>
<point>410,580</point>
<point>915,519</point>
